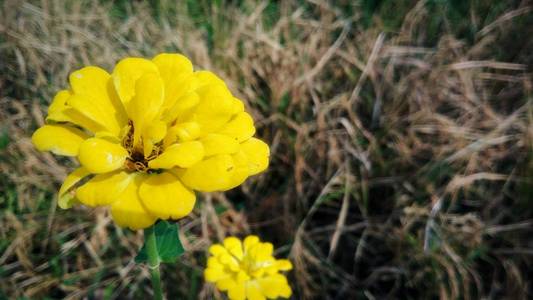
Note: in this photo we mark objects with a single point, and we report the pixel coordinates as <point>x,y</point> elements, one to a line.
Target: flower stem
<point>153,261</point>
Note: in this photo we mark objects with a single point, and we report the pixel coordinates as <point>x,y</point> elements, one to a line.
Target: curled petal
<point>219,144</point>
<point>101,156</point>
<point>165,197</point>
<point>176,71</point>
<point>59,139</point>
<point>126,73</point>
<point>96,87</point>
<point>59,111</point>
<point>181,107</point>
<point>145,106</point>
<point>241,127</point>
<point>66,199</point>
<point>182,155</point>
<point>83,106</point>
<point>58,105</point>
<point>241,170</point>
<point>128,211</point>
<point>103,189</point>
<point>212,174</point>
<point>257,153</point>
<point>183,132</point>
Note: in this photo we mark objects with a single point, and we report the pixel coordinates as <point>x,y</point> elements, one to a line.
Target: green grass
<point>392,167</point>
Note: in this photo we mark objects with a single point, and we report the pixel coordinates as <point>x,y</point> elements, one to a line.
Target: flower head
<point>247,270</point>
<point>147,135</point>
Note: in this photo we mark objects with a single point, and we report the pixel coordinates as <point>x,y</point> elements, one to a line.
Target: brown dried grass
<point>401,168</point>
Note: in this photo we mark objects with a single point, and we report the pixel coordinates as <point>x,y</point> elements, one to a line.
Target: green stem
<point>153,261</point>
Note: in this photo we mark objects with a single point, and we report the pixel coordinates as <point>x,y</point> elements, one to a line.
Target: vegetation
<point>401,141</point>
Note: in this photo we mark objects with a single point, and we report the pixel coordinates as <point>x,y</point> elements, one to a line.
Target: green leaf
<point>169,246</point>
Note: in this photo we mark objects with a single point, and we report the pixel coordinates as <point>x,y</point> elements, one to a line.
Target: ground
<point>400,131</point>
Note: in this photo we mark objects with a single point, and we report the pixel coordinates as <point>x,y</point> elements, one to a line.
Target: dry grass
<point>401,156</point>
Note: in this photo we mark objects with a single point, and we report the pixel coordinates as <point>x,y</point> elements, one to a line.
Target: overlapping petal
<point>101,156</point>
<point>165,197</point>
<point>59,139</point>
<point>127,210</point>
<point>247,270</point>
<point>147,136</point>
<point>183,155</point>
<point>65,198</point>
<point>211,174</point>
<point>103,189</point>
<point>94,97</point>
<point>126,73</point>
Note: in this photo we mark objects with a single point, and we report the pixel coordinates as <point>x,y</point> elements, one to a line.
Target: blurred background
<point>401,137</point>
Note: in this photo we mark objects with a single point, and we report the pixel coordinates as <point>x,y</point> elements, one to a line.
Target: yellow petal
<point>176,71</point>
<point>253,291</point>
<point>59,139</point>
<point>212,174</point>
<point>214,109</point>
<point>181,106</point>
<point>144,107</point>
<point>234,246</point>
<point>58,105</point>
<point>65,198</point>
<point>283,264</point>
<point>156,131</point>
<point>86,108</point>
<point>101,156</point>
<point>165,197</point>
<point>250,241</point>
<point>126,73</point>
<point>285,290</point>
<point>171,65</point>
<point>242,276</point>
<point>241,170</point>
<point>182,132</point>
<point>103,189</point>
<point>274,286</point>
<point>96,87</point>
<point>226,284</point>
<point>207,78</point>
<point>219,144</point>
<point>240,127</point>
<point>238,106</point>
<point>217,250</point>
<point>257,153</point>
<point>183,155</point>
<point>75,117</point>
<point>237,292</point>
<point>152,135</point>
<point>127,210</point>
<point>264,251</point>
<point>213,275</point>
<point>59,111</point>
<point>215,99</point>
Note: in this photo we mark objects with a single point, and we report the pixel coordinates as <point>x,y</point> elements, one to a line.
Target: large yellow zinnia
<point>247,270</point>
<point>147,135</point>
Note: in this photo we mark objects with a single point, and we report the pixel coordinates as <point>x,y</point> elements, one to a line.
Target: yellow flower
<point>247,270</point>
<point>147,135</point>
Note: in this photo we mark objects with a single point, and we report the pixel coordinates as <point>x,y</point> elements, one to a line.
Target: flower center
<point>137,161</point>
